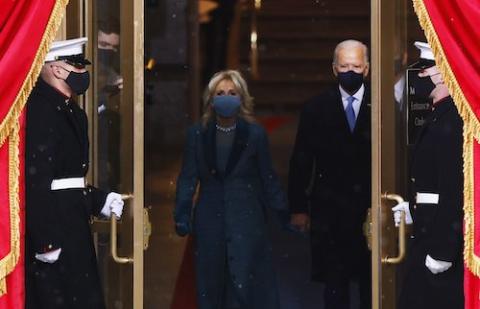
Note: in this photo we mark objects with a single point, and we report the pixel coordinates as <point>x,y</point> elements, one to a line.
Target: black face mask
<point>423,87</point>
<point>109,58</point>
<point>78,82</point>
<point>350,81</point>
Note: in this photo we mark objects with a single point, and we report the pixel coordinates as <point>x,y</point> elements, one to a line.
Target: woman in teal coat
<point>227,156</point>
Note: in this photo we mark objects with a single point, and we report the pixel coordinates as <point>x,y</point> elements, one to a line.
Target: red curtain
<point>27,27</point>
<point>452,28</point>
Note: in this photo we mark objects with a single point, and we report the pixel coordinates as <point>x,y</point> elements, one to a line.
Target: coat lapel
<point>210,148</point>
<point>239,144</point>
<point>340,110</point>
<point>363,118</point>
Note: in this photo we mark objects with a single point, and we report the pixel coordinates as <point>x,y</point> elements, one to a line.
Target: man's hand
<point>49,257</point>
<point>113,205</point>
<point>436,266</point>
<point>300,221</point>
<point>397,213</point>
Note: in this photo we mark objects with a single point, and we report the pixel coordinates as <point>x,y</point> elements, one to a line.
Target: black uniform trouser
<point>423,289</point>
<point>53,286</point>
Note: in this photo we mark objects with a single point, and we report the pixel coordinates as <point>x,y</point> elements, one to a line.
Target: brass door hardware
<point>147,228</point>
<point>401,233</point>
<point>367,229</point>
<point>113,237</point>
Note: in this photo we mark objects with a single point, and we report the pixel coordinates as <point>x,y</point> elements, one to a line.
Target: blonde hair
<point>246,107</point>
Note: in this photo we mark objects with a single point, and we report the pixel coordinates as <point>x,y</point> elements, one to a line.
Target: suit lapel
<point>239,144</point>
<point>363,118</point>
<point>340,110</point>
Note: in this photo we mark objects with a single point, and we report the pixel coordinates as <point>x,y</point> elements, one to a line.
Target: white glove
<point>397,213</point>
<point>49,257</point>
<point>436,266</point>
<point>113,204</point>
<point>117,208</point>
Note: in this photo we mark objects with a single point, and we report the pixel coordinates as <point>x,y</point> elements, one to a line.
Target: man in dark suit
<point>109,85</point>
<point>434,266</point>
<point>329,178</point>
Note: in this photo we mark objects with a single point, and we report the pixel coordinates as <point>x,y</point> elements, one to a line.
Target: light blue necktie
<point>350,113</point>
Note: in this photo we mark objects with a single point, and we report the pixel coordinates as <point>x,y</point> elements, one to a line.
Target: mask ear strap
<point>59,66</point>
<point>65,69</point>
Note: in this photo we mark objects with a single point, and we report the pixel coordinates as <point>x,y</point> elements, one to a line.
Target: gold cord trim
<point>471,133</point>
<point>7,264</point>
<point>10,128</point>
<point>471,260</point>
<point>31,78</point>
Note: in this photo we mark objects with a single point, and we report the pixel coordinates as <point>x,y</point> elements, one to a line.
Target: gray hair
<point>347,44</point>
<point>246,109</point>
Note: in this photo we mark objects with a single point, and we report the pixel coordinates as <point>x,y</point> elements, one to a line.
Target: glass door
<point>115,108</point>
<point>394,28</point>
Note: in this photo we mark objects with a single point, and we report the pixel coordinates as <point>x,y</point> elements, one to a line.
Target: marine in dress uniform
<point>60,262</point>
<point>434,266</point>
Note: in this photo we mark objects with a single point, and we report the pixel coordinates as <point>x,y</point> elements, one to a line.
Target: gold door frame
<point>384,171</point>
<point>79,19</point>
<point>138,153</point>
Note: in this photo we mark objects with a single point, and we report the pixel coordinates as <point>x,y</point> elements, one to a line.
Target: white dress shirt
<point>358,99</point>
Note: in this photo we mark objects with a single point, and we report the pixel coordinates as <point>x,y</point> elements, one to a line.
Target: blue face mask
<point>226,105</point>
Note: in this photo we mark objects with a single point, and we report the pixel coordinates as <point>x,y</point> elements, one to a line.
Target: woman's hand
<point>182,228</point>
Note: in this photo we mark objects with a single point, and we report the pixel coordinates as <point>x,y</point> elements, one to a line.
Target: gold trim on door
<point>130,229</point>
<point>138,153</point>
<point>383,146</point>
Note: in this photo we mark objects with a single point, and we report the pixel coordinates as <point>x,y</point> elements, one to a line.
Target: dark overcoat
<point>57,147</point>
<point>337,193</point>
<point>436,167</point>
<point>229,225</point>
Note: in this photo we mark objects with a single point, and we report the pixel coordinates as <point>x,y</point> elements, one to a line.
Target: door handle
<point>113,237</point>
<point>128,196</point>
<point>402,248</point>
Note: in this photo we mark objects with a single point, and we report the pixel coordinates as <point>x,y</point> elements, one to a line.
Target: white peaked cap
<point>425,50</point>
<point>66,48</point>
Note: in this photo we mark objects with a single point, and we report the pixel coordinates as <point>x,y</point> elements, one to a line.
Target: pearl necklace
<point>226,130</point>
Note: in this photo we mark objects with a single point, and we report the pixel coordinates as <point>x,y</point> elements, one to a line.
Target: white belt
<point>427,198</point>
<point>68,183</point>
